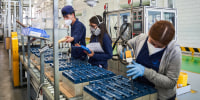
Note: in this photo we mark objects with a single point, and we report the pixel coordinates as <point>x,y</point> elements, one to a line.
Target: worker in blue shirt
<point>100,35</point>
<point>78,32</point>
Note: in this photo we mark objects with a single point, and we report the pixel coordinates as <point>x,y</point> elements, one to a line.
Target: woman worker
<point>100,35</point>
<point>158,59</point>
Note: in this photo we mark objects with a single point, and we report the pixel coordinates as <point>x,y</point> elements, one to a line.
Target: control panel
<point>138,20</point>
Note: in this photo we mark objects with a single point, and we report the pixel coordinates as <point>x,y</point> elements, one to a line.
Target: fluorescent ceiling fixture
<point>91,3</point>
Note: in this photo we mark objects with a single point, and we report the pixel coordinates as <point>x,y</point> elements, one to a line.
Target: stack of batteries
<point>118,88</point>
<point>94,83</point>
<point>64,61</point>
<point>35,51</point>
<point>85,73</point>
<point>65,65</point>
<point>35,54</point>
<point>75,78</point>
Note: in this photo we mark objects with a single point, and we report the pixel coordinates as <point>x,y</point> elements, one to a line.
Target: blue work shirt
<point>78,31</point>
<point>101,58</point>
<point>149,61</point>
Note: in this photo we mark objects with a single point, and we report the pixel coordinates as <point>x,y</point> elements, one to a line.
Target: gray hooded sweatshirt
<point>166,78</point>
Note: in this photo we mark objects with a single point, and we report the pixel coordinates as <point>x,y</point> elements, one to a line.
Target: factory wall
<point>162,3</point>
<point>188,16</point>
<point>188,22</point>
<point>85,12</point>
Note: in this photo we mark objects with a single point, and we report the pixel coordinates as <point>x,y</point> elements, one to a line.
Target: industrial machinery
<point>124,35</point>
<point>141,18</point>
<point>144,17</point>
<point>115,19</point>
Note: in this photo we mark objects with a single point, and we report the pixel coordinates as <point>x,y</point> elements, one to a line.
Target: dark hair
<point>102,26</point>
<point>69,13</point>
<point>73,13</point>
<point>162,31</point>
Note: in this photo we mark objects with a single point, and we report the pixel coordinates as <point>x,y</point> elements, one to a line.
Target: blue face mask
<point>94,31</point>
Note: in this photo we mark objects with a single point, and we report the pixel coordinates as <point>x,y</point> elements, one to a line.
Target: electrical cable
<point>124,45</point>
<point>123,28</point>
<point>37,97</point>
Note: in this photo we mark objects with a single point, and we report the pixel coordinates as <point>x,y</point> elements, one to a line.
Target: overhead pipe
<point>140,3</point>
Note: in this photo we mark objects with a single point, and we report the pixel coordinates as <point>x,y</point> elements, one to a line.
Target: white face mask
<point>68,22</point>
<point>152,49</point>
<point>94,31</point>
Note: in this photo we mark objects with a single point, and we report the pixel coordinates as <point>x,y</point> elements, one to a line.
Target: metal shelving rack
<point>55,54</point>
<point>29,63</point>
<point>30,72</point>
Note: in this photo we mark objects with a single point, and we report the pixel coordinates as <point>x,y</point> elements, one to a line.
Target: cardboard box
<point>7,43</point>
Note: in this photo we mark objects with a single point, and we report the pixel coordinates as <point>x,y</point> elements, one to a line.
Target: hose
<point>121,33</point>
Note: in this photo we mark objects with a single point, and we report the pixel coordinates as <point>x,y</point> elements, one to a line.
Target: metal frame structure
<point>118,13</point>
<point>55,50</point>
<point>144,18</point>
<point>7,23</point>
<point>162,11</point>
<point>41,80</point>
<point>28,73</point>
<point>9,30</point>
<point>55,53</point>
<point>22,39</point>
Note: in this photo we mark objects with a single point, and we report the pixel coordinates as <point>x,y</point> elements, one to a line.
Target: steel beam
<point>14,18</point>
<point>41,63</point>
<point>55,50</point>
<point>28,73</point>
<point>9,32</point>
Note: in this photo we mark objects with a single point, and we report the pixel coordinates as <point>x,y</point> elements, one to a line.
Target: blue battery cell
<point>119,88</point>
<point>85,74</point>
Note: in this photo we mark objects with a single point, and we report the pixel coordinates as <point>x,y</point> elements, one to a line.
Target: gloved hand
<point>135,70</point>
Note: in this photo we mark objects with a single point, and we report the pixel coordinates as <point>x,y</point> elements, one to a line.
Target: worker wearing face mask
<point>158,59</point>
<point>99,36</point>
<point>78,32</point>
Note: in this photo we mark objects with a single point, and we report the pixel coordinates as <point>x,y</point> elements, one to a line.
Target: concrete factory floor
<point>7,91</point>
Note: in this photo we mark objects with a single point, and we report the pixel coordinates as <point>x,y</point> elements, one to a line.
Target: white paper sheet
<point>95,46</point>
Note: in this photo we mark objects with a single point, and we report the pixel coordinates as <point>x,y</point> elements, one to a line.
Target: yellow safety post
<point>191,50</point>
<point>183,49</point>
<point>15,58</point>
